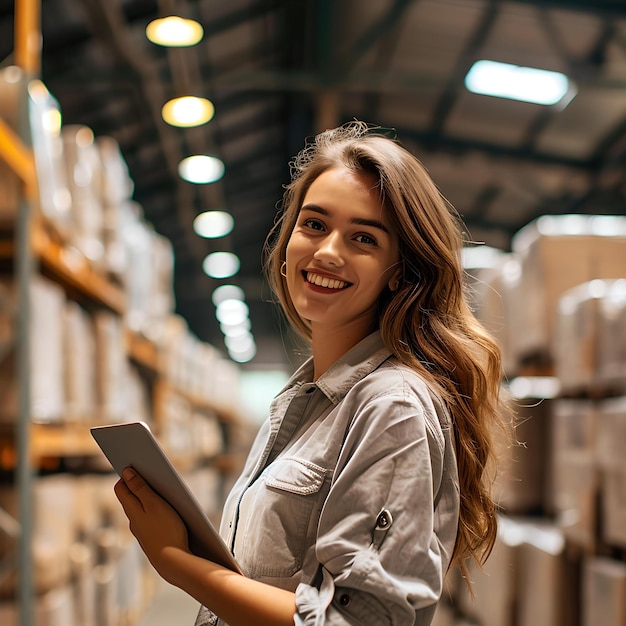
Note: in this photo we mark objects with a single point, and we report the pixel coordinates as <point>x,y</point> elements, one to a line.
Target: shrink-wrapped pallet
<point>112,367</point>
<point>79,349</point>
<point>46,380</point>
<point>604,592</point>
<point>82,162</point>
<point>549,580</point>
<point>611,366</point>
<point>575,481</point>
<point>53,532</point>
<point>523,478</point>
<point>558,253</point>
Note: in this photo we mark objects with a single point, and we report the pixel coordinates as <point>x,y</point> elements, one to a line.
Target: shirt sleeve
<point>381,559</point>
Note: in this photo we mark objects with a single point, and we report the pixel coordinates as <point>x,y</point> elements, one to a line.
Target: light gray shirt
<point>350,494</point>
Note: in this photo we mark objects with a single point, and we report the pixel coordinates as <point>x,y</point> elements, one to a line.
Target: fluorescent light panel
<point>516,82</point>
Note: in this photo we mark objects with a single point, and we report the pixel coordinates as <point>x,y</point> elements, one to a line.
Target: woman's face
<point>342,253</point>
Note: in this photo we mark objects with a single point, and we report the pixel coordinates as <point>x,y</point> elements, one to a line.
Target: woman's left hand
<point>155,524</point>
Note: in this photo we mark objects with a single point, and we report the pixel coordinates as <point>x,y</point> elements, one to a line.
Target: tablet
<point>133,444</point>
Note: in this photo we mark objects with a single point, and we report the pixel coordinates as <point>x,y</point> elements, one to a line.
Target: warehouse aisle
<point>171,607</point>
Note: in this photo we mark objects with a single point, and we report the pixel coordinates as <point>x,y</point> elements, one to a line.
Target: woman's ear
<point>394,281</point>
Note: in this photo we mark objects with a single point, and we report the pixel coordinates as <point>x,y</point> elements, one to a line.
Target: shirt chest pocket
<point>278,518</point>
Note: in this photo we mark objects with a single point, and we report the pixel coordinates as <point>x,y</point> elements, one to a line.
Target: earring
<point>283,269</point>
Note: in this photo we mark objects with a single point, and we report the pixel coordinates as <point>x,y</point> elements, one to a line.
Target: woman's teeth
<point>323,281</point>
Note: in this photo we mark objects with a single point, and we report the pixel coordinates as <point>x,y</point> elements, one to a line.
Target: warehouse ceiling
<point>280,70</point>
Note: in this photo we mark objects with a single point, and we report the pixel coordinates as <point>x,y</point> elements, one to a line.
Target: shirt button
<point>344,599</point>
<point>383,520</point>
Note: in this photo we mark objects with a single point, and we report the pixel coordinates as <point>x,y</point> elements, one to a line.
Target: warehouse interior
<point>279,71</point>
<point>540,186</point>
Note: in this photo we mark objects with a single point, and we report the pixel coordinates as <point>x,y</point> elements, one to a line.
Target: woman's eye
<point>314,224</point>
<point>366,239</point>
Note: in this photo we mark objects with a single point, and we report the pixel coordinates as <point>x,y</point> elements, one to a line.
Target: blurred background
<point>144,149</point>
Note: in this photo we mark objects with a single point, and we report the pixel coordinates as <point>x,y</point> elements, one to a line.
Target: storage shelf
<point>67,266</point>
<point>49,440</point>
<point>72,269</point>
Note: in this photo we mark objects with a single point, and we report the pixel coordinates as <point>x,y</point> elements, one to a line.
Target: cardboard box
<point>611,433</point>
<point>53,532</point>
<point>604,592</point>
<point>576,336</point>
<point>112,367</point>
<point>613,498</point>
<point>611,371</point>
<point>493,292</point>
<point>79,373</point>
<point>82,166</point>
<point>523,470</point>
<point>495,585</point>
<point>558,253</point>
<point>549,581</point>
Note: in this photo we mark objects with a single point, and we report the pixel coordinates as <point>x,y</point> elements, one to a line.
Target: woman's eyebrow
<point>355,220</point>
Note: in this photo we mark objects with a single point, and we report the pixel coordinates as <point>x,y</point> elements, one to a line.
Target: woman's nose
<point>330,250</point>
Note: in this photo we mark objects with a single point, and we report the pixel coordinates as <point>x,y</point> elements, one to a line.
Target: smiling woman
<point>368,480</point>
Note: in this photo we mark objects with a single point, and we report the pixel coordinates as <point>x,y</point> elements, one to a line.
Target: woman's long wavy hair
<point>426,322</point>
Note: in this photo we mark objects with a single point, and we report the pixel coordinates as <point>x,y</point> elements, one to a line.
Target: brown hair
<point>426,322</point>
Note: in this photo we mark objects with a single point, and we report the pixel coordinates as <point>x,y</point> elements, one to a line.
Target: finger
<point>134,481</point>
<point>130,503</point>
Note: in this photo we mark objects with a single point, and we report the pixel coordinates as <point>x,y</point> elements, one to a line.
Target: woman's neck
<point>329,345</point>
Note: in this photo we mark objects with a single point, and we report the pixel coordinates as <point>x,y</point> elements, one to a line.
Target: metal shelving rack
<point>16,151</point>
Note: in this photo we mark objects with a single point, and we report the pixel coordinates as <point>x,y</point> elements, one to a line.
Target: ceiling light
<point>239,343</point>
<point>174,31</point>
<point>243,356</point>
<point>517,82</point>
<point>232,312</point>
<point>227,292</point>
<point>232,330</point>
<point>213,224</point>
<point>221,264</point>
<point>201,169</point>
<point>188,111</point>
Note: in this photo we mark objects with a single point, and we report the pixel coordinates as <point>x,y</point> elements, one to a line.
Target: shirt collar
<point>357,363</point>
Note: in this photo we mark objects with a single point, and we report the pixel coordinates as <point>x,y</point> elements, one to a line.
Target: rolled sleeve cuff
<point>312,603</point>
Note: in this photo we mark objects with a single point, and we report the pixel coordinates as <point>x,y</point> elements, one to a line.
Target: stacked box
<point>575,477</point>
<point>495,584</point>
<point>521,486</point>
<point>112,367</point>
<point>54,504</point>
<point>549,581</point>
<point>47,392</point>
<point>611,348</point>
<point>148,276</point>
<point>612,463</point>
<point>82,563</point>
<point>82,163</point>
<point>115,189</point>
<point>576,336</point>
<point>494,290</point>
<point>79,351</point>
<point>604,592</point>
<point>55,200</point>
<point>558,253</point>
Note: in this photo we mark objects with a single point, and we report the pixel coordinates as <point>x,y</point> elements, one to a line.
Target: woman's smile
<point>323,284</point>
